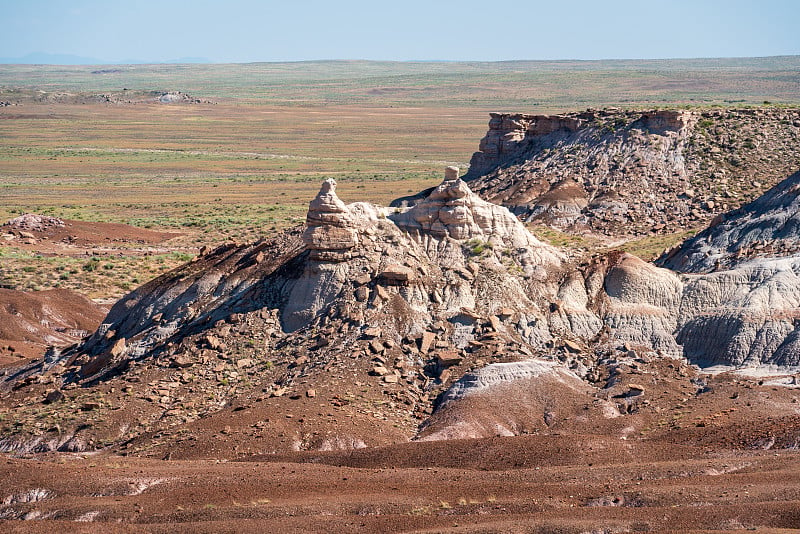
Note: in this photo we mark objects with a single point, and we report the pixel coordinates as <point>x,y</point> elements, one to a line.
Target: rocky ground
<point>371,326</point>
<point>24,96</point>
<point>762,229</point>
<point>522,484</point>
<point>31,321</point>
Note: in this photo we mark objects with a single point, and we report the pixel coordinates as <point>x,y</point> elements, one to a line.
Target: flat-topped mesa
<point>662,121</point>
<point>330,234</point>
<point>511,135</point>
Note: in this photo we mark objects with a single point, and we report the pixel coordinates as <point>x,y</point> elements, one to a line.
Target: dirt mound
<point>32,321</point>
<point>636,172</point>
<point>31,221</point>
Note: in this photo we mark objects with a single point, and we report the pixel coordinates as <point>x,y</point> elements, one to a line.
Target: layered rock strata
<point>618,172</point>
<point>457,259</point>
<point>329,233</point>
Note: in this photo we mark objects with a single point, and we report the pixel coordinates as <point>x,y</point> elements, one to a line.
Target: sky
<point>240,31</point>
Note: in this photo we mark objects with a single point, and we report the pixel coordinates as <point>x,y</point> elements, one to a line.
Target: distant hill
<point>506,86</point>
<point>45,58</point>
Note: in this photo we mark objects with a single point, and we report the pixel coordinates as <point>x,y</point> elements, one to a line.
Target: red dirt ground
<point>76,237</point>
<point>31,321</point>
<point>612,487</point>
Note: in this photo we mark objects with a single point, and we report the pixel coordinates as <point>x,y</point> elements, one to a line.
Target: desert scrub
<point>558,238</point>
<point>477,247</point>
<point>651,247</point>
<point>91,265</point>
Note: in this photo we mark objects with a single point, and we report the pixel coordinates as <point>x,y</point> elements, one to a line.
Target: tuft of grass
<point>477,246</point>
<point>560,239</point>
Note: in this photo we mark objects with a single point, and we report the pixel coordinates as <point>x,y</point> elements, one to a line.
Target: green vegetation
<point>478,246</point>
<point>561,239</point>
<point>508,85</point>
<point>651,247</point>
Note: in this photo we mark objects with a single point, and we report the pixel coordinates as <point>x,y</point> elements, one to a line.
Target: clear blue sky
<point>250,30</point>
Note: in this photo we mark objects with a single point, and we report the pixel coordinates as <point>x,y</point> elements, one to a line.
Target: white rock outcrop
<point>330,232</point>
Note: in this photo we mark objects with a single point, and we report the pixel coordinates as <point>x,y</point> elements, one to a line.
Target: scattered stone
<point>181,361</point>
<point>118,347</point>
<point>53,396</point>
<point>380,370</point>
<point>362,279</point>
<point>382,293</point>
<point>373,332</point>
<point>34,222</point>
<point>428,338</point>
<point>213,342</point>
<point>448,358</point>
<point>362,294</point>
<point>398,275</point>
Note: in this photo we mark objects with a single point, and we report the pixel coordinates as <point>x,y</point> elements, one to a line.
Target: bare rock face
<point>451,299</point>
<point>618,172</point>
<point>436,254</point>
<point>452,211</point>
<point>743,312</point>
<point>554,169</point>
<point>744,317</point>
<point>643,302</point>
<point>507,132</point>
<point>329,234</point>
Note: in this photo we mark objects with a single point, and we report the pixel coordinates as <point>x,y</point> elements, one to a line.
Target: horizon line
<point>204,61</point>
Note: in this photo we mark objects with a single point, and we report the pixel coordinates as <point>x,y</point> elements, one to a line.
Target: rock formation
<point>329,233</point>
<point>618,172</point>
<point>405,303</point>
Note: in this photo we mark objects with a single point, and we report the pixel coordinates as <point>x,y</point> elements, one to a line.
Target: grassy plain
<point>246,161</point>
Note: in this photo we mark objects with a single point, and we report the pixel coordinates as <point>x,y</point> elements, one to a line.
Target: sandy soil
<point>612,486</point>
<point>32,321</point>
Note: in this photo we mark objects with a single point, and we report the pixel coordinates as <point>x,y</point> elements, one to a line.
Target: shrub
<point>91,265</point>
